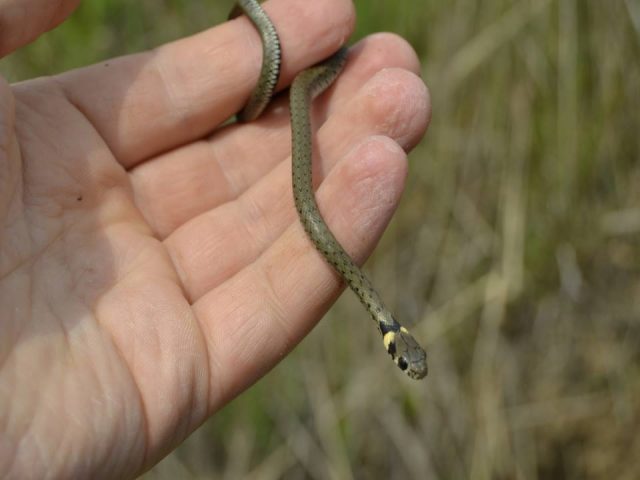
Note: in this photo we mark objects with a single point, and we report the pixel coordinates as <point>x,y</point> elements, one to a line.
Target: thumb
<point>22,21</point>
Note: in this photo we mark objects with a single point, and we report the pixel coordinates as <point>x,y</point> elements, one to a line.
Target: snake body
<point>271,58</point>
<point>399,343</point>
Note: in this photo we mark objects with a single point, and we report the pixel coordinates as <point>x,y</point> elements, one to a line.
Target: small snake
<point>398,342</point>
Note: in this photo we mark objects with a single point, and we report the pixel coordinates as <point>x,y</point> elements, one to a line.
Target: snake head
<point>406,353</point>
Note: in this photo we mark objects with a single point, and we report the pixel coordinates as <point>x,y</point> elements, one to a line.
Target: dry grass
<point>515,251</point>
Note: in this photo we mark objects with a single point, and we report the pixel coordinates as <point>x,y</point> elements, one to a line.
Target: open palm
<point>150,269</point>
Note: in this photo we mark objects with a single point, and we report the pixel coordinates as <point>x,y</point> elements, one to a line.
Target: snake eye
<point>402,363</point>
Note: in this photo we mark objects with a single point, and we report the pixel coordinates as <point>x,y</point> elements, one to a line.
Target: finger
<point>22,21</point>
<point>9,161</point>
<point>188,181</point>
<point>214,246</point>
<point>253,320</point>
<point>155,101</point>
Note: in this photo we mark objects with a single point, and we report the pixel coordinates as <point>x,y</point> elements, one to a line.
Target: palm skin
<point>149,270</point>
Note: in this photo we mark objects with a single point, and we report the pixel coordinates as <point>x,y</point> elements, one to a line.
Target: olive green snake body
<point>399,343</point>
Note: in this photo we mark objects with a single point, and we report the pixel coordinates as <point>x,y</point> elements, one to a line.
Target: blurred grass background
<point>514,254</point>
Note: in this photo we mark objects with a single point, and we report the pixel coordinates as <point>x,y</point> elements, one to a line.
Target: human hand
<point>150,270</point>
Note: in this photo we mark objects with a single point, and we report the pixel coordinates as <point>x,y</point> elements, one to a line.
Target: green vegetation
<point>515,254</point>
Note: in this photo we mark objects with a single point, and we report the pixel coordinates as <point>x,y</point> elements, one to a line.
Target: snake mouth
<point>418,372</point>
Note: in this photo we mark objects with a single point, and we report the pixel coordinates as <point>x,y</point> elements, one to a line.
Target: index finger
<point>151,102</point>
